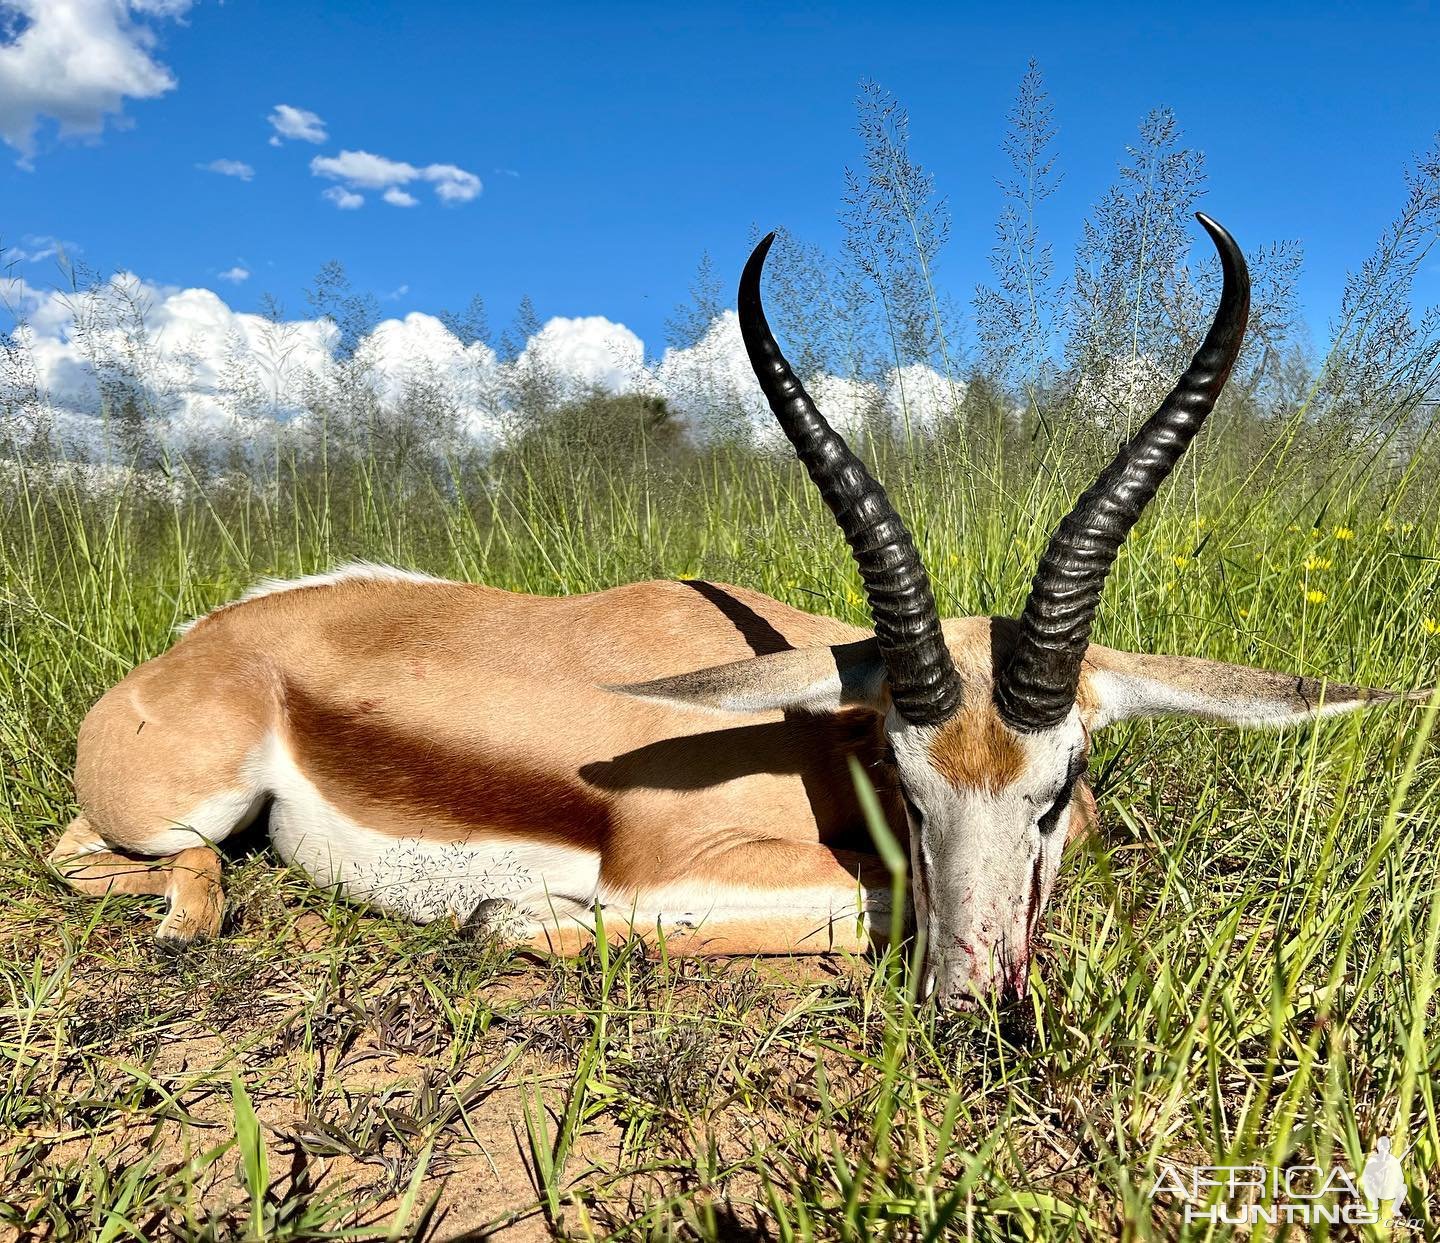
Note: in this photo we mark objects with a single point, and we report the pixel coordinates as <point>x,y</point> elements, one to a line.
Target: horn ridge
<point>1037,687</point>
<point>924,684</point>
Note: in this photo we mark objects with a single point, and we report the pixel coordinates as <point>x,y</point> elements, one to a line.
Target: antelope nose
<point>967,981</point>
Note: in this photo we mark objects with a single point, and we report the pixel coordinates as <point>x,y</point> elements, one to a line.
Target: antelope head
<point>988,721</point>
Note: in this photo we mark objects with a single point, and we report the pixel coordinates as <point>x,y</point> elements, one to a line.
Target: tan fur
<point>779,934</point>
<point>458,712</point>
<point>1232,684</point>
<point>189,880</point>
<point>455,713</point>
<point>1084,815</point>
<point>976,751</point>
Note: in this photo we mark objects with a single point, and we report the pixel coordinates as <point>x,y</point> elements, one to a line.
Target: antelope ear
<point>1123,685</point>
<point>812,679</point>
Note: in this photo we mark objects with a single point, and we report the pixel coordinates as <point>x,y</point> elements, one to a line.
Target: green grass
<point>1240,969</point>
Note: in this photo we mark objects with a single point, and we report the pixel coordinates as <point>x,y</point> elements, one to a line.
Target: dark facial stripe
<point>1079,765</point>
<point>1032,915</point>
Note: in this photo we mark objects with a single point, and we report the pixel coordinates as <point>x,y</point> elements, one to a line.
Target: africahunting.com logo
<point>1246,1195</point>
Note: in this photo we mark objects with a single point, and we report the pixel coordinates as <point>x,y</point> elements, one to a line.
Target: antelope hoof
<point>498,919</point>
<point>184,925</point>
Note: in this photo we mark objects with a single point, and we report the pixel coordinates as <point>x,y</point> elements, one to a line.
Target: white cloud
<point>712,388</point>
<point>921,396</point>
<point>298,123</point>
<point>228,168</point>
<point>587,352</point>
<point>235,275</point>
<point>181,340</point>
<point>712,385</point>
<point>365,170</point>
<point>418,351</point>
<point>190,345</point>
<point>1122,389</point>
<point>210,370</point>
<point>847,403</point>
<point>37,247</point>
<point>76,62</point>
<point>344,199</point>
<point>453,185</point>
<point>361,168</point>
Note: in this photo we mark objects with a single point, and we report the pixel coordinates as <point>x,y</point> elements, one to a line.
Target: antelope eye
<point>1050,821</point>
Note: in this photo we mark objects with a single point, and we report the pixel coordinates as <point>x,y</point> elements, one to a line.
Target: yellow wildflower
<point>1315,597</point>
<point>1202,523</point>
<point>1430,625</point>
<point>1293,528</point>
<point>1319,563</point>
<point>1181,562</point>
<point>1244,612</point>
<point>1344,533</point>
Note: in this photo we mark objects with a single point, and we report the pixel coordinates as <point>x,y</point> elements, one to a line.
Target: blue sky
<point>615,143</point>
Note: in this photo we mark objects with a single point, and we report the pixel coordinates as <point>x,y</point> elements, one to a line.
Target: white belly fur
<point>411,876</point>
<point>553,884</point>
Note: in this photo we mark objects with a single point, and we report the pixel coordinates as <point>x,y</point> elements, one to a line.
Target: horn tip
<point>762,248</point>
<point>1231,256</point>
<point>750,276</point>
<point>1219,234</point>
<point>1211,225</point>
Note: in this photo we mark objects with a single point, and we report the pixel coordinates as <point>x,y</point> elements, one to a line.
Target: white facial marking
<point>984,866</point>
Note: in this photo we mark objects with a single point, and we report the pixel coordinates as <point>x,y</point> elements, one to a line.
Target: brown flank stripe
<point>362,761</point>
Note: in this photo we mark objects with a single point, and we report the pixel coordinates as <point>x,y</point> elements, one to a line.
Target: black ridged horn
<point>923,681</point>
<point>1036,689</point>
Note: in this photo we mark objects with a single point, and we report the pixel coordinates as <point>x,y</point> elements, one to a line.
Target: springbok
<point>672,755</point>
